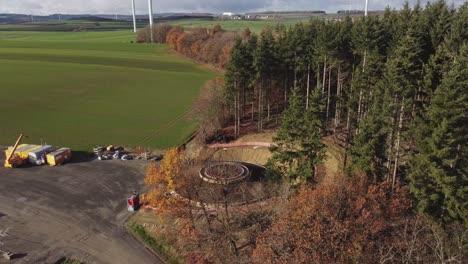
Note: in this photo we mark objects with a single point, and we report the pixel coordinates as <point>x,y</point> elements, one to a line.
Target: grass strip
<point>160,248</point>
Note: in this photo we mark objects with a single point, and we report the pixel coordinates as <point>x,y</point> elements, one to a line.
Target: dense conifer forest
<point>392,89</point>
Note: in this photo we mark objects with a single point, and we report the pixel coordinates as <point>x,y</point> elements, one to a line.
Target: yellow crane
<point>13,159</point>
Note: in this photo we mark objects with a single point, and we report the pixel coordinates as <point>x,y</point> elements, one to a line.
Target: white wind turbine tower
<point>134,16</point>
<point>150,7</point>
<point>367,6</point>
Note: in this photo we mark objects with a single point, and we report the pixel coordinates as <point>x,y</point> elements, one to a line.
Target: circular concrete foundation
<point>224,172</point>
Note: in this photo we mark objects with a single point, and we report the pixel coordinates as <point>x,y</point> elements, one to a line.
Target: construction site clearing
<point>75,211</point>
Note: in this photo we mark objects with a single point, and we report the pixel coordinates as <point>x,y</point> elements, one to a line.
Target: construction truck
<point>13,159</point>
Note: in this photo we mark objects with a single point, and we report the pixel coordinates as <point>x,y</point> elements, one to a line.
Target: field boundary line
<point>166,126</point>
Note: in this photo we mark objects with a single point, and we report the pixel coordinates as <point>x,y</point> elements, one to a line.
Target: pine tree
<point>251,46</point>
<point>312,148</point>
<point>299,148</point>
<point>439,173</point>
<point>437,20</point>
<point>369,146</point>
<point>283,70</point>
<point>446,29</point>
<point>458,31</point>
<point>390,31</point>
<point>402,78</point>
<point>235,78</point>
<point>264,63</point>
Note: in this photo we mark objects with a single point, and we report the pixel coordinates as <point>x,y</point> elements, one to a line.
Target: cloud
<point>42,7</point>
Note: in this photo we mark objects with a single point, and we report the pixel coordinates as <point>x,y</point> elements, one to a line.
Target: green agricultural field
<point>83,89</point>
<point>236,25</point>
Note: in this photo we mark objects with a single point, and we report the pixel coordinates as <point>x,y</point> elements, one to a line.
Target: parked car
<point>157,158</point>
<point>117,155</point>
<point>127,157</point>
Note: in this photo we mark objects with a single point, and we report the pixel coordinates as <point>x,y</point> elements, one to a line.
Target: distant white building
<point>228,14</point>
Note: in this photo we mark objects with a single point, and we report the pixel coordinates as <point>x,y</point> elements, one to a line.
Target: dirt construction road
<point>76,210</point>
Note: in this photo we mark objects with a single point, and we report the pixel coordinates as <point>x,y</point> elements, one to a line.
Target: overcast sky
<point>43,7</point>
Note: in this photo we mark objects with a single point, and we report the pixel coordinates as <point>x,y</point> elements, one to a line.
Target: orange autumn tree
<point>351,221</point>
<point>173,36</point>
<point>160,180</point>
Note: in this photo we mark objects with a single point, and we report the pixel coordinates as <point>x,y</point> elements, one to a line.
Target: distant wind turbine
<point>134,16</point>
<point>367,7</point>
<point>150,7</point>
